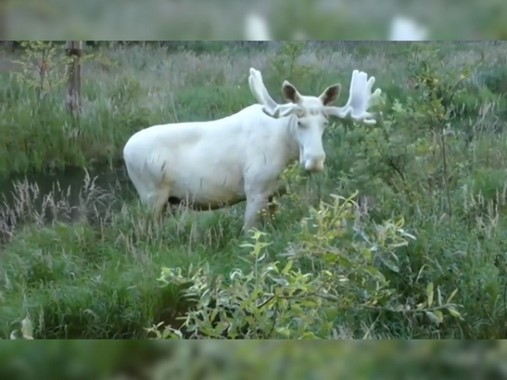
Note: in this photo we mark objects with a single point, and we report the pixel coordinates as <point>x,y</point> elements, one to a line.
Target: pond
<point>67,194</point>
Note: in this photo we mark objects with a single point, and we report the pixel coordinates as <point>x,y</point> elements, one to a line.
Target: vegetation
<point>207,359</point>
<point>401,237</point>
<point>224,19</point>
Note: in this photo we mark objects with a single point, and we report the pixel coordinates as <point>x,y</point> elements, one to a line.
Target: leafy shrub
<point>319,286</point>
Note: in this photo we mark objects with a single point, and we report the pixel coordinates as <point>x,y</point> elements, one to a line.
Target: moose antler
<point>259,91</point>
<point>360,98</point>
<point>270,107</point>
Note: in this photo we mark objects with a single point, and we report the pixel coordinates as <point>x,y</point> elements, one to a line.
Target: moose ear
<point>330,94</point>
<point>291,93</point>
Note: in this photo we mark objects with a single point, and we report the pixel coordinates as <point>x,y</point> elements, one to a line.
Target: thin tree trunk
<point>74,51</point>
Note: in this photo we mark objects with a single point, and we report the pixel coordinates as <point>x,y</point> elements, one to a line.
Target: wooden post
<point>74,51</point>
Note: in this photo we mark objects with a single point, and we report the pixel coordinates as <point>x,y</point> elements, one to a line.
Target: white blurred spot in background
<point>256,28</point>
<point>407,29</point>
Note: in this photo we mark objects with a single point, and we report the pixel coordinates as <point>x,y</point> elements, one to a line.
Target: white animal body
<point>213,164</point>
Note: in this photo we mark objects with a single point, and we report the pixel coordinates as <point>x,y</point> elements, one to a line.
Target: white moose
<point>213,164</point>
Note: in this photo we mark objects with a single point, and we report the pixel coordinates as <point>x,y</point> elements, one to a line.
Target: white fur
<point>212,164</point>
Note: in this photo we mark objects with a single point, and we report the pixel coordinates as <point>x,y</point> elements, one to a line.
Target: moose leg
<point>157,201</point>
<point>152,194</point>
<point>254,205</point>
<point>280,191</point>
<point>272,207</point>
<point>174,204</point>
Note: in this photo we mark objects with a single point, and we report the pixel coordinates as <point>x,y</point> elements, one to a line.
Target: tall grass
<point>92,271</point>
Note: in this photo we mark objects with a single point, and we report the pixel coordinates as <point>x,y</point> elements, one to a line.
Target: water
<point>70,193</point>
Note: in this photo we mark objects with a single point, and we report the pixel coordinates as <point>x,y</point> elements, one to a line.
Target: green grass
<point>97,276</point>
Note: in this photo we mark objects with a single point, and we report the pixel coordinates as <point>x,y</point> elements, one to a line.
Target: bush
<point>326,284</point>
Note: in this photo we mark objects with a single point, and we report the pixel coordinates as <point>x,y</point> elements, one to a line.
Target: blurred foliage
<point>207,359</point>
<point>225,20</point>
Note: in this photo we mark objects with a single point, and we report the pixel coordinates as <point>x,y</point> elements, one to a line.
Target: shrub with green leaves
<point>320,286</point>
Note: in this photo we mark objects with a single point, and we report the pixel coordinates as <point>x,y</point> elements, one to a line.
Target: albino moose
<point>214,164</point>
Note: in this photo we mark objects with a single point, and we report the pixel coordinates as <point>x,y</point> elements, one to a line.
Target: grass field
<point>415,250</point>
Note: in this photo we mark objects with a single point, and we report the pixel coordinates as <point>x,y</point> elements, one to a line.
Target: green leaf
<point>397,107</point>
<point>27,328</point>
<point>452,295</point>
<point>455,313</point>
<point>308,335</point>
<point>429,294</point>
<point>435,317</point>
<point>287,267</point>
<point>390,264</point>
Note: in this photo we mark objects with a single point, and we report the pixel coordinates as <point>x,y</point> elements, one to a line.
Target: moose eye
<point>300,124</point>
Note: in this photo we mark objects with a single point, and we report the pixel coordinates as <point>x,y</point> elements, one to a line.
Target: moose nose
<point>315,163</point>
<point>314,166</point>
